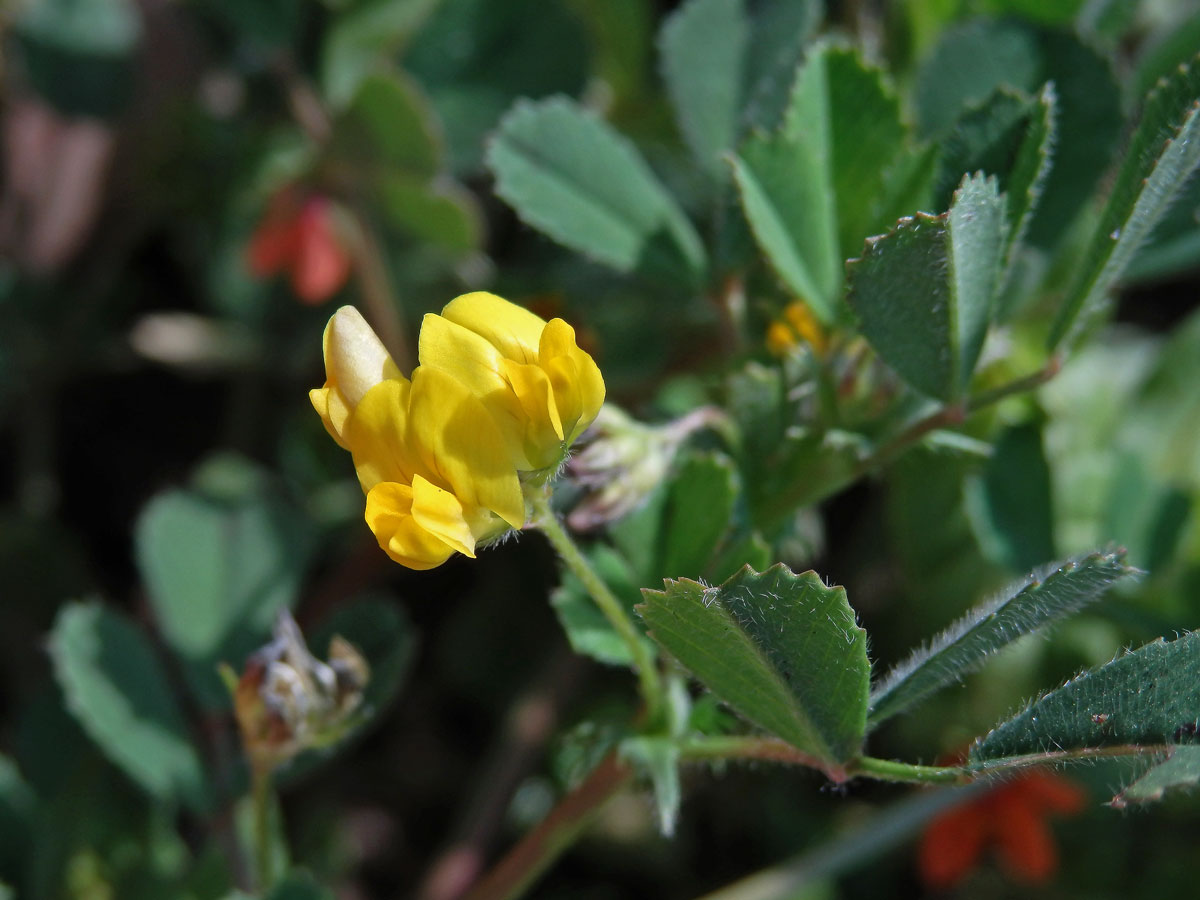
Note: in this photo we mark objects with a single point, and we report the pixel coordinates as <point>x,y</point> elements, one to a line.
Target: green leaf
<point>364,39</point>
<point>678,530</point>
<point>659,758</point>
<point>702,47</point>
<point>923,292</point>
<point>975,59</point>
<point>779,37</point>
<point>299,885</point>
<point>781,649</point>
<point>440,212</point>
<point>784,191</point>
<point>219,559</point>
<point>1149,697</point>
<point>119,692</point>
<point>388,128</point>
<point>1181,768</point>
<point>1027,178</point>
<point>964,646</point>
<point>1162,154</point>
<point>986,138</point>
<point>1010,503</point>
<point>588,631</point>
<point>816,188</point>
<point>570,175</point>
<point>851,114</point>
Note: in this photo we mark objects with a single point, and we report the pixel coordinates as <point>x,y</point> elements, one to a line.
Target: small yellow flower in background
<point>797,327</point>
<point>498,391</point>
<point>541,388</point>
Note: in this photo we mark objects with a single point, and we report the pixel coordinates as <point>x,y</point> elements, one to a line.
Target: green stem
<point>260,777</point>
<point>890,770</point>
<point>545,519</point>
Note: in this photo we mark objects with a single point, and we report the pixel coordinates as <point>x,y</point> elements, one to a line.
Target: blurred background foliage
<point>189,189</point>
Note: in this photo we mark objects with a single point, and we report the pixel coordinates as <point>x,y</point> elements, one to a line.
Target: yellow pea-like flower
<point>428,453</point>
<point>540,387</point>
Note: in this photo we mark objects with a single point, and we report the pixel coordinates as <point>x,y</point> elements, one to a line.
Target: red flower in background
<point>1011,818</point>
<point>299,237</point>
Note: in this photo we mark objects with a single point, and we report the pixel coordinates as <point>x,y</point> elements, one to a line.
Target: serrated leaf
<point>1180,769</point>
<point>781,649</point>
<point>1149,697</point>
<point>964,646</point>
<point>923,292</point>
<point>1027,178</point>
<point>363,37</point>
<point>119,692</point>
<point>702,48</point>
<point>974,59</point>
<point>1162,154</point>
<point>987,138</point>
<point>588,631</point>
<point>659,758</point>
<point>572,176</point>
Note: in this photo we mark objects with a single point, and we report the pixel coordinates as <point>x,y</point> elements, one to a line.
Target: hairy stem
<point>891,770</point>
<point>547,521</point>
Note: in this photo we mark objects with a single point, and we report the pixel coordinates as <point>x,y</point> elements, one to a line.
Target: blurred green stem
<point>547,521</point>
<point>260,777</point>
<point>890,770</point>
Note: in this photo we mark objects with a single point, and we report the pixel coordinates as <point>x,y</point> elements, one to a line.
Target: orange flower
<point>1011,818</point>
<point>300,238</point>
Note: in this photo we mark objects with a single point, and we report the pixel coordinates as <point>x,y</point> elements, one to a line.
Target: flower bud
<point>355,361</point>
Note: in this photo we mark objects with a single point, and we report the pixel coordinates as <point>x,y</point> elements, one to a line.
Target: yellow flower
<point>542,390</point>
<point>797,327</point>
<point>429,455</point>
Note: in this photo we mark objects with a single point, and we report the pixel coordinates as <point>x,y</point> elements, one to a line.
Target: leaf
<point>1010,502</point>
<point>440,212</point>
<point>1149,697</point>
<point>986,138</point>
<point>363,38</point>
<point>570,175</point>
<point>678,531</point>
<point>17,807</point>
<point>964,646</point>
<point>388,128</point>
<point>213,562</point>
<point>779,36</point>
<point>814,189</point>
<point>781,649</point>
<point>1181,768</point>
<point>219,559</point>
<point>119,692</point>
<point>851,114</point>
<point>659,758</point>
<point>783,187</point>
<point>973,60</point>
<point>1027,178</point>
<point>1163,152</point>
<point>588,631</point>
<point>702,49</point>
<point>299,885</point>
<point>923,292</point>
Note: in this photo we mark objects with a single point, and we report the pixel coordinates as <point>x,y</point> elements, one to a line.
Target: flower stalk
<point>547,521</point>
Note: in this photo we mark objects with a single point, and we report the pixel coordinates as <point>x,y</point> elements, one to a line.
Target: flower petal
<point>951,846</point>
<point>355,361</point>
<point>511,329</point>
<point>389,514</point>
<point>1023,840</point>
<point>377,435</point>
<point>461,447</point>
<point>558,342</point>
<point>440,513</point>
<point>543,427</point>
